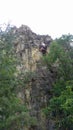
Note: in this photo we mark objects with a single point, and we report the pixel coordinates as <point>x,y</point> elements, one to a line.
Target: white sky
<point>52,17</point>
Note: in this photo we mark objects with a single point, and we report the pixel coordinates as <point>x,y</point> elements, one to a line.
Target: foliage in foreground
<point>60,108</point>
<point>13,113</point>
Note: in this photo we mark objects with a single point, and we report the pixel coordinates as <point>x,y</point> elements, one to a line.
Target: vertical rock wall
<point>37,92</point>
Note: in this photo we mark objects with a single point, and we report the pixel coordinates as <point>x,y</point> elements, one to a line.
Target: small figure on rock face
<point>43,48</point>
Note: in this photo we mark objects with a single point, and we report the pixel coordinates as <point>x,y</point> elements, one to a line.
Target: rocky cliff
<point>27,46</point>
<point>37,92</point>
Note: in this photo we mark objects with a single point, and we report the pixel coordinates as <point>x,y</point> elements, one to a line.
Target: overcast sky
<point>52,17</point>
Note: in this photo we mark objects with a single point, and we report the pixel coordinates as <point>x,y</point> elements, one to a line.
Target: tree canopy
<point>14,114</point>
<point>60,108</point>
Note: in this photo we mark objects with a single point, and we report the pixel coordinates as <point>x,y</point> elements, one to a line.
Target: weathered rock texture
<point>27,46</point>
<point>37,93</point>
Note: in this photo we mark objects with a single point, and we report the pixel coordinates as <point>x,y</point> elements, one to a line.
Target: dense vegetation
<point>14,114</point>
<point>60,108</point>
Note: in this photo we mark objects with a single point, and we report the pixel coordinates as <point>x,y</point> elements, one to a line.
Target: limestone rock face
<point>26,44</point>
<point>37,92</point>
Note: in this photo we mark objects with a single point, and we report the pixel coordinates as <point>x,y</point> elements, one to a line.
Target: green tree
<point>13,113</point>
<point>60,107</point>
